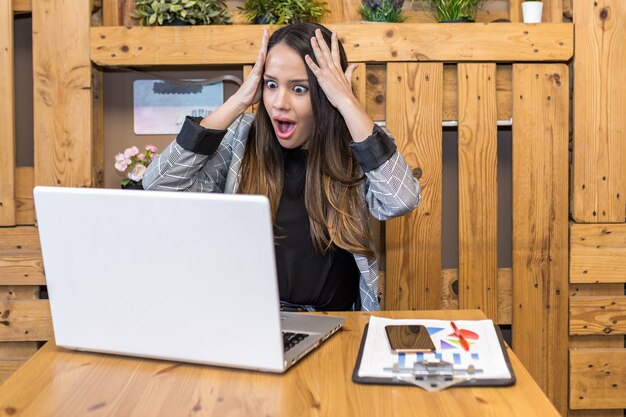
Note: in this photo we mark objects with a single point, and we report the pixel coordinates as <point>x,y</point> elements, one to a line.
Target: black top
<point>328,281</point>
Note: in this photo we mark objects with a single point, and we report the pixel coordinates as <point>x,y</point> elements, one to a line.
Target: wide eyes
<point>298,89</point>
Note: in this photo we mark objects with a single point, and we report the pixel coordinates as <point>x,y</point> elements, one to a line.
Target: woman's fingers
<point>312,65</point>
<point>349,73</point>
<point>319,54</point>
<point>260,59</point>
<point>334,50</point>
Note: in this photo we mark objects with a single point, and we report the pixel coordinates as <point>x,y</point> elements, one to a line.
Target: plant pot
<point>531,11</point>
<point>263,20</point>
<point>176,22</point>
<point>132,187</point>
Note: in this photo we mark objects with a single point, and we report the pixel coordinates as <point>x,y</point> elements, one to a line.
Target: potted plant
<point>181,12</point>
<point>455,10</point>
<point>531,11</point>
<point>283,11</point>
<point>132,164</point>
<point>382,11</point>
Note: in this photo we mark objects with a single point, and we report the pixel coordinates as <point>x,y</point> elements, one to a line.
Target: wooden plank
<point>599,176</point>
<point>17,350</point>
<point>139,46</point>
<point>8,368</point>
<point>13,355</point>
<point>63,93</point>
<point>117,13</point>
<point>552,11</point>
<point>504,92</point>
<point>568,9</point>
<point>24,238</point>
<point>359,83</point>
<point>577,342</point>
<point>450,299</point>
<point>21,268</point>
<point>600,315</point>
<point>597,253</point>
<point>540,224</point>
<point>478,188</point>
<point>20,291</point>
<point>515,11</point>
<point>342,11</point>
<point>24,202</point>
<point>597,378</point>
<point>21,5</point>
<point>25,320</point>
<point>98,127</point>
<point>414,103</point>
<point>7,117</point>
<point>375,104</point>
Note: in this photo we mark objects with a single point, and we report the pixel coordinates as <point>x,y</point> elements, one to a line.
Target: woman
<point>315,153</point>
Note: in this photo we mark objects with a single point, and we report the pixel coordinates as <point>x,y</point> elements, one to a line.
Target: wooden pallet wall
<point>62,106</point>
<point>540,219</point>
<point>7,117</point>
<point>599,155</point>
<point>597,238</point>
<point>411,83</point>
<point>478,188</point>
<point>414,106</point>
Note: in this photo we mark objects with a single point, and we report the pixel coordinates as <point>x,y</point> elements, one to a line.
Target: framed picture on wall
<point>160,106</point>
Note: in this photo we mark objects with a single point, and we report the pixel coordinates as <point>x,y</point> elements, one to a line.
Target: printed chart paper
<point>484,353</point>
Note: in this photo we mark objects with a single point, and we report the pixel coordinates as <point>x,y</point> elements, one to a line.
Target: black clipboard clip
<point>433,375</point>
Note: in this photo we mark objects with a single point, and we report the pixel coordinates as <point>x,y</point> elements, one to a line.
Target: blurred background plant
<point>181,12</point>
<point>382,11</point>
<point>283,11</point>
<point>454,10</point>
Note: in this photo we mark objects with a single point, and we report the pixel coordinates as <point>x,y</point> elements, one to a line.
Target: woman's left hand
<point>336,84</point>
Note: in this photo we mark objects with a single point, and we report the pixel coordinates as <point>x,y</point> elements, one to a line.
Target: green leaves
<point>163,12</point>
<point>284,11</point>
<point>455,9</point>
<point>382,11</point>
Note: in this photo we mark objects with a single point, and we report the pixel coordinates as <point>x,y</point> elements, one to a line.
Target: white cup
<point>531,11</point>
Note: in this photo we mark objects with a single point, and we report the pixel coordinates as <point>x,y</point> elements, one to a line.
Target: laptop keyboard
<point>291,339</point>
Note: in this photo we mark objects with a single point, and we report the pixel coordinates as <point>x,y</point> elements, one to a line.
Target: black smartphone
<point>409,338</point>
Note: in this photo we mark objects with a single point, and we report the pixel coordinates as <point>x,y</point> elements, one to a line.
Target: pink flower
<point>121,162</point>
<point>152,148</point>
<point>141,156</point>
<point>132,151</point>
<point>137,173</point>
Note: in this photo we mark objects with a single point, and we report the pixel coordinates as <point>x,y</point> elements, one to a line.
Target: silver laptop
<point>171,275</point>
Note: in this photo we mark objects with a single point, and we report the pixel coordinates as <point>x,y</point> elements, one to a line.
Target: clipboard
<point>501,382</point>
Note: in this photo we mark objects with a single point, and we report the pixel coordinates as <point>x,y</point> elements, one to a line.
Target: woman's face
<point>286,97</point>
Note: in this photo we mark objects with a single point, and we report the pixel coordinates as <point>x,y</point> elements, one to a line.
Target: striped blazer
<point>390,189</point>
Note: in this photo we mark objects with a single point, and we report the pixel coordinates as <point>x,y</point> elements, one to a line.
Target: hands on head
<point>250,91</point>
<point>336,84</point>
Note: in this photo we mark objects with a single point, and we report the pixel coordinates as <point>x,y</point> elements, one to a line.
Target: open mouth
<point>284,128</point>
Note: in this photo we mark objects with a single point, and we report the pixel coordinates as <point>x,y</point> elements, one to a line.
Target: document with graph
<point>476,345</point>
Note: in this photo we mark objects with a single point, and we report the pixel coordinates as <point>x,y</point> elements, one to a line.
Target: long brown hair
<point>333,192</point>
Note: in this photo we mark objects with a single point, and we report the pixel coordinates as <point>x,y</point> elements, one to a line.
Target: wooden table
<point>59,382</point>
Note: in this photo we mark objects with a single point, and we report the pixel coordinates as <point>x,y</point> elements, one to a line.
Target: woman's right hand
<point>250,91</point>
<point>248,94</point>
